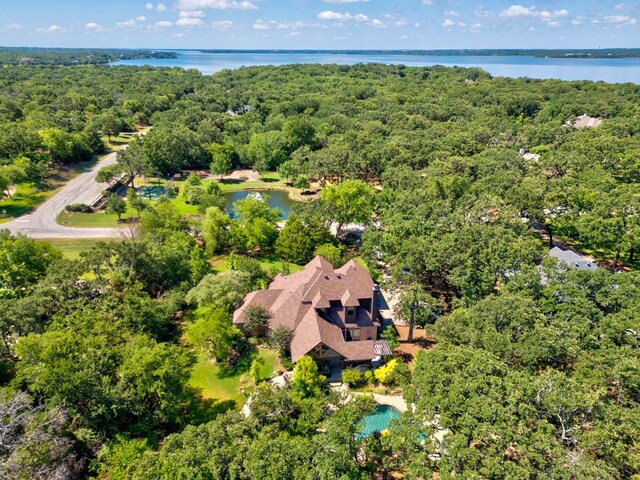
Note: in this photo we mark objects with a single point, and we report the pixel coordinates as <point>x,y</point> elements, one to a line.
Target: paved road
<point>82,189</point>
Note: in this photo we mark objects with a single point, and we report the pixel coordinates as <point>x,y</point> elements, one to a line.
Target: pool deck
<point>393,400</point>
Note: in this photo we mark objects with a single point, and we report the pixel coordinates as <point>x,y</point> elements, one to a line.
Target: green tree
<point>332,253</point>
<point>256,320</point>
<point>267,151</point>
<point>213,332</point>
<point>222,156</point>
<point>134,161</point>
<point>215,229</point>
<point>223,290</point>
<point>351,201</point>
<point>306,381</point>
<point>136,202</point>
<point>281,338</point>
<point>115,205</point>
<point>199,265</point>
<point>391,336</point>
<point>297,242</point>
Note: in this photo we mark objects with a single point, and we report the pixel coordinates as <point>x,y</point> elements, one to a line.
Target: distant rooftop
<point>572,259</point>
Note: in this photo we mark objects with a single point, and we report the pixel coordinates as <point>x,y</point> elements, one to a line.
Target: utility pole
<point>413,314</point>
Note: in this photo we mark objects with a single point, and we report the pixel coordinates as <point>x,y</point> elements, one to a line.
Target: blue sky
<point>320,24</point>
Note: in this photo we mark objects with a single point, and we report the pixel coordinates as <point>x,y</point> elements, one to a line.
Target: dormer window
<point>350,311</point>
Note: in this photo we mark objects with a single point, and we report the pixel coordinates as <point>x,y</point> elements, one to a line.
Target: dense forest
<point>535,372</point>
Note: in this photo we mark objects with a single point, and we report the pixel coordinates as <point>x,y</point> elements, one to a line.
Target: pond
<point>277,199</point>
<point>378,420</point>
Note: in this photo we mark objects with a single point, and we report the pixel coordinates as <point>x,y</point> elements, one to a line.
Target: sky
<point>320,24</point>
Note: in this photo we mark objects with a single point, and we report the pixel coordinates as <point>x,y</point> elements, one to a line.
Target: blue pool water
<point>152,192</point>
<point>378,420</point>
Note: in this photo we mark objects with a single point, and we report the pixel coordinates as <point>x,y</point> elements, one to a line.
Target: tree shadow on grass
<point>269,180</point>
<point>20,204</point>
<point>242,366</point>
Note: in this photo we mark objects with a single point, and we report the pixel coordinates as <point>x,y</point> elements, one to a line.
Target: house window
<point>355,334</point>
<point>350,312</point>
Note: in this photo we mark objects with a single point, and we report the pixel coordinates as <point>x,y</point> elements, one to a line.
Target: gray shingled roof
<point>572,259</point>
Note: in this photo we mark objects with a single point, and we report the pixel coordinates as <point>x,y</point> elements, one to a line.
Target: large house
<point>333,312</point>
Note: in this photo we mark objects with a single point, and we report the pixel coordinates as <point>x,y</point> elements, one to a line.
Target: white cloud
<point>260,25</point>
<point>149,6</point>
<point>222,24</point>
<point>216,4</point>
<point>451,13</point>
<point>427,2</point>
<point>345,1</point>
<point>164,24</point>
<point>189,22</point>
<point>377,23</point>
<point>554,24</point>
<point>329,15</point>
<point>141,18</point>
<point>518,11</point>
<point>94,26</point>
<point>620,20</point>
<point>126,24</point>
<point>192,14</point>
<point>14,26</point>
<point>52,29</point>
<point>161,7</point>
<point>448,23</point>
<point>396,20</point>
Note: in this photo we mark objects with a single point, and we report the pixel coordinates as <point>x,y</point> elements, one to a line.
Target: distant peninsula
<point>75,56</point>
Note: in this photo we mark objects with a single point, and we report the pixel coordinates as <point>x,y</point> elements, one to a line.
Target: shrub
<point>368,376</point>
<point>352,376</point>
<point>78,208</point>
<point>385,372</point>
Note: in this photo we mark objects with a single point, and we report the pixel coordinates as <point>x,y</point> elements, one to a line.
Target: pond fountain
<point>277,199</point>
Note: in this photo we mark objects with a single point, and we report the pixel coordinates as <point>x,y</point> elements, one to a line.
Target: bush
<point>352,376</point>
<point>78,208</point>
<point>368,376</point>
<point>384,374</point>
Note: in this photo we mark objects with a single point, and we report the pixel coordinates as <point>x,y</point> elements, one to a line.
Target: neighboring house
<point>334,313</point>
<point>572,259</point>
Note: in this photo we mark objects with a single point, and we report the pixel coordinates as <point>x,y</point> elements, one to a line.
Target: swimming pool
<point>378,420</point>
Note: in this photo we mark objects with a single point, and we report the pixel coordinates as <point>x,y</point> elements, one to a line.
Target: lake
<point>611,70</point>
<point>277,199</point>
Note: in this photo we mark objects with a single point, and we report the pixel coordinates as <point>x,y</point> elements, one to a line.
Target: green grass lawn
<point>24,200</point>
<point>92,220</point>
<point>218,384</point>
<point>72,247</point>
<point>269,262</point>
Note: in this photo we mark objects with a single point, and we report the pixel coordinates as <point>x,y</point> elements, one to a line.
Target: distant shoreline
<point>539,53</point>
